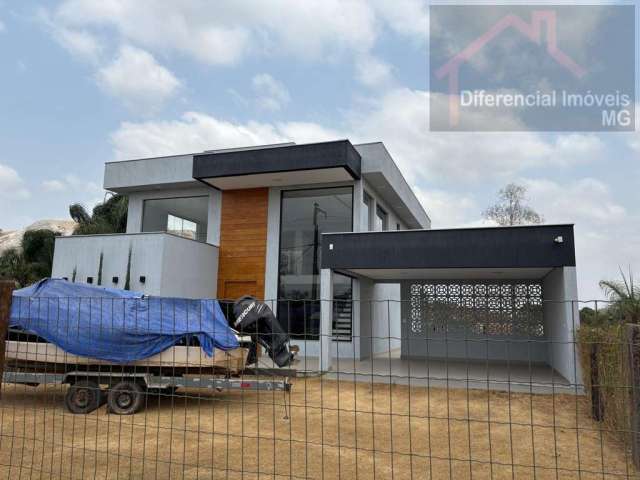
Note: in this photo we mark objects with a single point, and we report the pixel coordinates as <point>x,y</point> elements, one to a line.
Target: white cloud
<point>271,94</point>
<point>304,132</point>
<point>586,200</point>
<point>3,28</point>
<point>373,72</point>
<point>447,208</point>
<point>607,235</point>
<point>401,119</point>
<point>73,184</point>
<point>194,132</point>
<point>53,186</point>
<point>138,80</point>
<point>225,34</point>
<point>405,17</point>
<point>77,41</point>
<point>11,184</point>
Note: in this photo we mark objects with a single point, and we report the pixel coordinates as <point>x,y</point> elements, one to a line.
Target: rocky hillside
<point>12,238</point>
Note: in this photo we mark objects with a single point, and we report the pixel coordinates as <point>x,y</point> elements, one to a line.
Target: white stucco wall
<point>173,266</point>
<point>562,319</point>
<point>380,316</point>
<point>385,317</point>
<point>173,171</point>
<point>189,268</point>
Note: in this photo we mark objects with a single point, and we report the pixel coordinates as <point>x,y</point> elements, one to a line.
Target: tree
<point>511,209</point>
<point>625,297</point>
<point>37,248</point>
<point>33,261</point>
<point>14,267</point>
<point>107,217</point>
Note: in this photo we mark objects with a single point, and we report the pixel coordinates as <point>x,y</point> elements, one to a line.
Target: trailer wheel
<point>126,398</point>
<point>83,397</point>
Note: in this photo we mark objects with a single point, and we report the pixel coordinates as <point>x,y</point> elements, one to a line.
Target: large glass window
<point>186,216</point>
<point>305,216</point>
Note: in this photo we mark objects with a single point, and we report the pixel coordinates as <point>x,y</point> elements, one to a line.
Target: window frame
<point>206,225</point>
<point>384,218</point>
<point>306,336</point>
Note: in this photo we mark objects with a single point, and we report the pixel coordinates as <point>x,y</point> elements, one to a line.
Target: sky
<point>85,82</point>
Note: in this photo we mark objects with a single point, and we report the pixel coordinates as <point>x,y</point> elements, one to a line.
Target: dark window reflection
<point>305,215</point>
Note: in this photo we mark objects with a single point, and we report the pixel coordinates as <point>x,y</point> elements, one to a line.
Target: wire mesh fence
<point>116,388</point>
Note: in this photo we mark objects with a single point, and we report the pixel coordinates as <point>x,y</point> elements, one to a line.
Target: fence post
<point>597,406</point>
<point>6,290</point>
<point>633,354</point>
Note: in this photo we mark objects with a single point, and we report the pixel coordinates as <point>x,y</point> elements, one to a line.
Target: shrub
<point>613,377</point>
<point>14,267</point>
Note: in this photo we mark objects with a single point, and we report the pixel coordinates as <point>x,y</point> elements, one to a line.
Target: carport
<point>496,295</point>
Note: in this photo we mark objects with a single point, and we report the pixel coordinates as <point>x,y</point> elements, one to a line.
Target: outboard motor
<point>255,318</point>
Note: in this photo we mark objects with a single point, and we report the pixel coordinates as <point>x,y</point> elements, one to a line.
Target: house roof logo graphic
<point>532,31</point>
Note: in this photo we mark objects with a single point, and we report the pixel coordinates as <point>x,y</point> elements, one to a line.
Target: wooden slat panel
<point>243,242</point>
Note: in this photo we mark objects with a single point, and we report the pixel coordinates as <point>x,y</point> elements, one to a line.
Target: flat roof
<point>276,165</point>
<point>536,248</point>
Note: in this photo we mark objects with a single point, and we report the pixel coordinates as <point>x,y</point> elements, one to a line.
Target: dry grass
<point>335,430</point>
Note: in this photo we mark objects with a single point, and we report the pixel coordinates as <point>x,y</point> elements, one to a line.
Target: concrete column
<point>214,217</point>
<point>365,314</point>
<point>356,312</point>
<point>326,318</point>
<point>373,208</point>
<point>134,213</point>
<point>273,246</point>
<point>359,224</point>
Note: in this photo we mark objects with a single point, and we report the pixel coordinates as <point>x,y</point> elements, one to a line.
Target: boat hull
<point>181,357</point>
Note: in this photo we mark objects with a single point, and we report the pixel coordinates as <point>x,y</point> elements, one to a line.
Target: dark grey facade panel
<point>313,156</point>
<point>540,246</point>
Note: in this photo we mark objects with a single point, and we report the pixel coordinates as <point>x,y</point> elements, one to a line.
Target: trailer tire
<point>126,398</point>
<point>83,397</point>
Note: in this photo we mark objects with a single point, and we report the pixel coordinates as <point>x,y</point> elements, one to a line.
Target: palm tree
<point>625,295</point>
<point>107,217</point>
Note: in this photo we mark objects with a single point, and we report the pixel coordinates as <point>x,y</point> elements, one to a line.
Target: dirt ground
<point>335,430</point>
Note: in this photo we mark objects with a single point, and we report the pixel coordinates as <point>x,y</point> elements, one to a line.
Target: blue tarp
<point>116,325</point>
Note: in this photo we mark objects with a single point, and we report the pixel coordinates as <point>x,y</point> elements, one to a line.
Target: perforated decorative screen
<point>479,308</point>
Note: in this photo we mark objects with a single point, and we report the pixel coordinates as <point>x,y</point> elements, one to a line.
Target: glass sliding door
<point>304,216</point>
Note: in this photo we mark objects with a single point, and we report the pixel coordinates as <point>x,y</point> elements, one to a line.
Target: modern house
<point>333,237</point>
